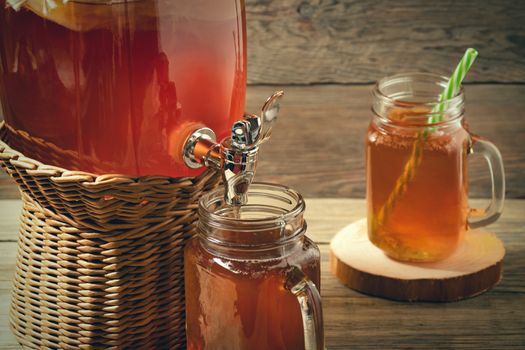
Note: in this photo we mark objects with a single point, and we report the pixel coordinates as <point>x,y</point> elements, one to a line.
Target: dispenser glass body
<point>112,87</point>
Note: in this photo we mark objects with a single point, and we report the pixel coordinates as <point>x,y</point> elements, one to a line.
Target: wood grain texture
<point>318,144</point>
<point>487,322</point>
<point>493,320</point>
<point>348,41</point>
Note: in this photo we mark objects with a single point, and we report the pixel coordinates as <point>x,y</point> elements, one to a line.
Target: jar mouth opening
<point>269,206</point>
<point>416,97</point>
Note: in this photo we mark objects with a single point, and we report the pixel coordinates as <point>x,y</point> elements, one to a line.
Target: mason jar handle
<point>479,217</point>
<point>309,300</point>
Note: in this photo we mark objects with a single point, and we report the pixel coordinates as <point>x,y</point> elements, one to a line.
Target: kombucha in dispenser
<point>106,86</point>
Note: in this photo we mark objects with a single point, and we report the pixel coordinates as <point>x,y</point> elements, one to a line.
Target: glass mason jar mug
<point>251,274</point>
<point>417,183</point>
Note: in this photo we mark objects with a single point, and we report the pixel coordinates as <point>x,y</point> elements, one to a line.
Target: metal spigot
<point>236,156</point>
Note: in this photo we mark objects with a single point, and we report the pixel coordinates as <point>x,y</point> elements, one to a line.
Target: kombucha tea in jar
<point>251,275</point>
<point>417,181</point>
<point>111,86</point>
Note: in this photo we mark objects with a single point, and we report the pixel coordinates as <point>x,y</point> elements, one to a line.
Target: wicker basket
<point>100,258</point>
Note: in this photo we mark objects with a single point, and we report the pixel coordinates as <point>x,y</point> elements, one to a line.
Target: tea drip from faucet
<point>236,156</point>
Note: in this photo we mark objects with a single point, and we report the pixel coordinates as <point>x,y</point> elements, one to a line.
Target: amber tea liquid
<point>429,218</point>
<point>242,304</point>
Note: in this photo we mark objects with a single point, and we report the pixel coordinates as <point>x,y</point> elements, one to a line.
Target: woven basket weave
<point>100,258</point>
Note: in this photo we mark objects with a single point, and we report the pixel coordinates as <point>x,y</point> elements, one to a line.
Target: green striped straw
<point>416,155</point>
<point>454,84</point>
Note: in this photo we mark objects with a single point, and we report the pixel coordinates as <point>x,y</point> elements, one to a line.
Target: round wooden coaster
<point>474,267</point>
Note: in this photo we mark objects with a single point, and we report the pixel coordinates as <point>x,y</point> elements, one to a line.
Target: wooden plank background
<point>326,53</point>
<point>353,41</point>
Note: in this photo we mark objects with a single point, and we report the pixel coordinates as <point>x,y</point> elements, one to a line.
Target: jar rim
<point>454,106</point>
<point>294,198</point>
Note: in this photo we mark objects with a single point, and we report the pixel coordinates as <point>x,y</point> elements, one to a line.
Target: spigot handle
<point>245,132</point>
<point>253,130</point>
<point>269,114</point>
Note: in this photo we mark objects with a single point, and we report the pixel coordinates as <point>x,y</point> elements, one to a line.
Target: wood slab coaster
<point>475,267</point>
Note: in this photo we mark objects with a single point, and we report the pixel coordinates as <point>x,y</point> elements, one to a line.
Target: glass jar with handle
<point>417,175</point>
<point>252,276</point>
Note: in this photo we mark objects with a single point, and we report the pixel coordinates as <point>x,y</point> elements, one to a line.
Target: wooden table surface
<point>494,320</point>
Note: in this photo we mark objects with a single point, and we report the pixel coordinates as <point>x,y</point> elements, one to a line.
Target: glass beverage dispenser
<point>109,86</point>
